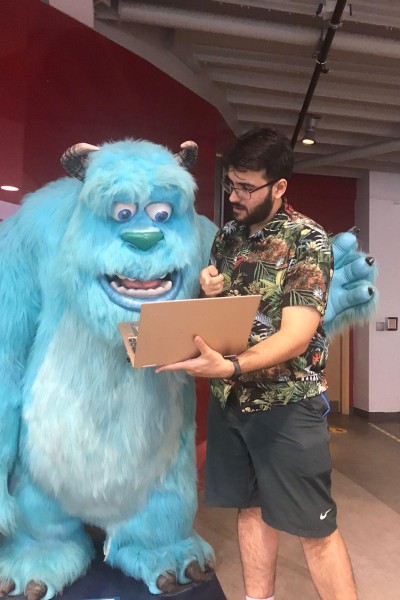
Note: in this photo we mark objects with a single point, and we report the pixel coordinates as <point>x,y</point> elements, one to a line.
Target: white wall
<point>377,353</point>
<point>81,10</point>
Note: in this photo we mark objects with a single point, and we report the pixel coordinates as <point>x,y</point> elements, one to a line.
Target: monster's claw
<point>169,586</point>
<point>371,291</point>
<point>6,587</point>
<point>167,582</point>
<point>355,230</point>
<point>193,571</point>
<point>370,260</point>
<point>35,590</point>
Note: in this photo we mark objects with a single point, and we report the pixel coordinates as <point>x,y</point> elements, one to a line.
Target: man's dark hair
<point>262,149</point>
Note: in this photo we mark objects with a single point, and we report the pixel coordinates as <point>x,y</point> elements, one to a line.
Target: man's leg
<point>258,543</point>
<point>330,567</point>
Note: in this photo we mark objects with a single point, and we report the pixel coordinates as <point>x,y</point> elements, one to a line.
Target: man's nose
<point>233,196</point>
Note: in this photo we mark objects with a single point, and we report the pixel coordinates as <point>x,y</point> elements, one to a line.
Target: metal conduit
<point>335,22</point>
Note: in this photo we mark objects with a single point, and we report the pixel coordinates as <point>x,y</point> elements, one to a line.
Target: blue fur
<point>84,438</point>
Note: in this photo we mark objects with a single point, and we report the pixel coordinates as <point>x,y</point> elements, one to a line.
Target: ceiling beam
<point>286,63</point>
<point>355,153</point>
<point>344,91</point>
<point>259,99</point>
<point>364,125</point>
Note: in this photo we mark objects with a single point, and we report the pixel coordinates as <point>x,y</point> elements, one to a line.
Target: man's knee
<point>249,513</point>
<point>319,543</point>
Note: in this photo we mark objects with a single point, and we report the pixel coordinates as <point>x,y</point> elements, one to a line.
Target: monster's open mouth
<point>130,293</point>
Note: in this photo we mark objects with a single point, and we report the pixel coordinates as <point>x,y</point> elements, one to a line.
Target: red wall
<point>328,200</point>
<point>65,83</point>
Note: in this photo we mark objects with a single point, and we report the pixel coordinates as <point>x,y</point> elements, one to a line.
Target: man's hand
<point>209,364</point>
<point>211,282</point>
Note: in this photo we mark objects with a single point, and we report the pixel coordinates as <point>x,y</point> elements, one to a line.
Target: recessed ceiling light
<point>9,188</point>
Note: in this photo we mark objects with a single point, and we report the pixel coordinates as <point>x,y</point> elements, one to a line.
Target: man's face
<point>254,208</point>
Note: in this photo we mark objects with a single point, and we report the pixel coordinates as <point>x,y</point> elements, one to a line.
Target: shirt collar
<point>282,214</point>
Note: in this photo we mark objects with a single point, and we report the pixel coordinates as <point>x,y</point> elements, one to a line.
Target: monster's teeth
<point>165,286</point>
<point>121,277</point>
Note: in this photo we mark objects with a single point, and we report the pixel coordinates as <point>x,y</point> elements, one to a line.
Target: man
<point>267,449</point>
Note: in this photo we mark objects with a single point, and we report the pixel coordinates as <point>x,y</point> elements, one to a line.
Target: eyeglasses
<point>243,193</point>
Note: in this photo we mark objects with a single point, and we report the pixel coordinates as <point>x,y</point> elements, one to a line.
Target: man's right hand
<point>211,282</point>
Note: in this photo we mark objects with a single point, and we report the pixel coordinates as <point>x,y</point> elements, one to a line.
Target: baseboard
<point>377,417</point>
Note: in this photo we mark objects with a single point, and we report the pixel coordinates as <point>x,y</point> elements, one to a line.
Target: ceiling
<point>254,61</point>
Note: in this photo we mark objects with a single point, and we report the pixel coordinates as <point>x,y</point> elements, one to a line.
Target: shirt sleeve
<point>310,271</point>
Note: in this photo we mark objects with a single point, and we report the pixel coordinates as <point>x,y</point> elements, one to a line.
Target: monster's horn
<point>188,154</point>
<point>73,160</point>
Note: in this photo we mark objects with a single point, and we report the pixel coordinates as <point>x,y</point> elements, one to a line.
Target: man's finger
<point>200,343</point>
<point>178,366</point>
<point>213,271</point>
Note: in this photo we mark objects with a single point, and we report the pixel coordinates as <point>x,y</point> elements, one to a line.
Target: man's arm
<point>298,326</point>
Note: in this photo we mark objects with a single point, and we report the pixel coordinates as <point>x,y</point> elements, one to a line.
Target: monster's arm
<point>19,309</point>
<point>352,295</point>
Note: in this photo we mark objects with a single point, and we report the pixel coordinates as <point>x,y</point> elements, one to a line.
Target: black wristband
<point>238,371</point>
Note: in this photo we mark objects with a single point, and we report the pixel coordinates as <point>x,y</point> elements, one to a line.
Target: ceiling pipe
<point>161,16</point>
<point>321,59</point>
<point>353,154</point>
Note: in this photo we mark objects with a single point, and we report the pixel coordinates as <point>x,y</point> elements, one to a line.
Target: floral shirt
<point>290,263</point>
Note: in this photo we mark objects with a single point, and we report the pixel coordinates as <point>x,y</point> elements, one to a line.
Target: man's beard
<point>259,214</point>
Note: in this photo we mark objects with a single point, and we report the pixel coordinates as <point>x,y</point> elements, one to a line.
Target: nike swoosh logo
<point>323,516</point>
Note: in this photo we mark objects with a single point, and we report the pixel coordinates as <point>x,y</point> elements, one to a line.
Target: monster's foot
<point>169,569</point>
<point>41,569</point>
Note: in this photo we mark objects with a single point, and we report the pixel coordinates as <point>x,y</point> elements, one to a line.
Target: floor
<point>366,487</point>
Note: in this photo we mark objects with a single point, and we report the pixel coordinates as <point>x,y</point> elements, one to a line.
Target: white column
<point>377,353</point>
<point>7,209</point>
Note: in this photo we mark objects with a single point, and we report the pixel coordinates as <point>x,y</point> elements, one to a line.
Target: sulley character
<point>84,437</point>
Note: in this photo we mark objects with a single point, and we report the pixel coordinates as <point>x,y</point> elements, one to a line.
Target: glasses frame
<point>245,194</point>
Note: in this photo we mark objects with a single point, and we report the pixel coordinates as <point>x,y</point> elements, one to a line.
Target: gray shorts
<point>277,459</point>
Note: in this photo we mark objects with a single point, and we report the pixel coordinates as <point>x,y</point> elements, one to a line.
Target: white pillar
<point>377,353</point>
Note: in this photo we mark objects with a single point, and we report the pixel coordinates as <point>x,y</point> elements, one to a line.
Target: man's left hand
<point>209,364</point>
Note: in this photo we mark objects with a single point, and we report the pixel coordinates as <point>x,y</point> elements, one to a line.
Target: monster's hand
<point>352,295</point>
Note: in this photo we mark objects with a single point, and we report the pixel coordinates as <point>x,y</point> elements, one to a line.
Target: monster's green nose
<point>143,240</point>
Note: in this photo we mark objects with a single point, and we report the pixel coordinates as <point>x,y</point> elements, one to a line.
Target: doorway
<point>338,373</point>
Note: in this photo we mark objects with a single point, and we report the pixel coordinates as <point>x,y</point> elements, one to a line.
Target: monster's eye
<point>159,211</point>
<point>123,212</point>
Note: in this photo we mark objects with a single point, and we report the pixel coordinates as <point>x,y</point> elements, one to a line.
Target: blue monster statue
<point>84,437</point>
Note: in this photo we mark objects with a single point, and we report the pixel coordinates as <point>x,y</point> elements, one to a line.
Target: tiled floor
<point>366,487</point>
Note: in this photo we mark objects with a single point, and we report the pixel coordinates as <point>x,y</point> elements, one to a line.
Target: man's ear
<point>280,187</point>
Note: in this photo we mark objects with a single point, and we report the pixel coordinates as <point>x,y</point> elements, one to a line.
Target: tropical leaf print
<point>289,263</point>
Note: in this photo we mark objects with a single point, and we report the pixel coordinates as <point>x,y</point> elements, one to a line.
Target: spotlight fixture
<point>309,134</point>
